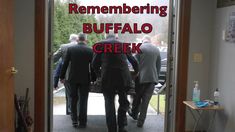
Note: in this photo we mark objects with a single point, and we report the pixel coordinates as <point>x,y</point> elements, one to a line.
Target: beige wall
<point>24,48</point>
<point>217,67</point>
<point>222,73</point>
<point>201,33</point>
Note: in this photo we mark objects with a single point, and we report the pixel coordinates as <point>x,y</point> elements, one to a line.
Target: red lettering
<point>94,47</point>
<point>136,28</point>
<point>149,26</point>
<point>73,8</point>
<point>126,48</point>
<point>127,28</point>
<point>107,48</point>
<point>96,30</point>
<point>117,27</point>
<point>108,26</point>
<point>135,9</point>
<point>136,48</point>
<point>87,28</point>
<point>126,9</point>
<point>82,9</point>
<point>104,9</point>
<point>163,12</point>
<point>117,48</point>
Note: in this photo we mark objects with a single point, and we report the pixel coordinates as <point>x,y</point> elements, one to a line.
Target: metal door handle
<point>14,70</point>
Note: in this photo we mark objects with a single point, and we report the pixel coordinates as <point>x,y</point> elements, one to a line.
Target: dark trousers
<point>79,92</point>
<point>140,104</point>
<point>111,112</point>
<point>67,97</point>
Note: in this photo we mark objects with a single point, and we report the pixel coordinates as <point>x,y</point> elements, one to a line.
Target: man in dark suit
<point>115,78</point>
<point>149,69</point>
<point>79,57</point>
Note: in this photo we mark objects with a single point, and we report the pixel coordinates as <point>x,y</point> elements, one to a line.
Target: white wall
<point>217,69</point>
<point>201,30</point>
<point>24,48</point>
<point>223,72</point>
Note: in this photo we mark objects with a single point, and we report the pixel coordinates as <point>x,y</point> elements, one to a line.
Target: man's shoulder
<point>148,47</point>
<point>105,41</point>
<point>68,45</point>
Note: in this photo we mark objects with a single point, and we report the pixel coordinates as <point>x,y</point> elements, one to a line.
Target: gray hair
<point>146,39</point>
<point>73,37</point>
<point>82,37</point>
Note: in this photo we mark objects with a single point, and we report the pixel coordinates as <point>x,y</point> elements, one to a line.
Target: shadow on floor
<point>96,123</point>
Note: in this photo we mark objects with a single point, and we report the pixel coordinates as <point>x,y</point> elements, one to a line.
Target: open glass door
<point>172,66</point>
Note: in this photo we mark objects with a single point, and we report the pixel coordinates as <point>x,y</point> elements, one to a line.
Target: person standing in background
<point>149,69</point>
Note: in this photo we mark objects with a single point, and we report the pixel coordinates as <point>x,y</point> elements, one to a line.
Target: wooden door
<point>6,64</point>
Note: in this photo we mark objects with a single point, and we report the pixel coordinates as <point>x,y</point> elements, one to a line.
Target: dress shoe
<point>140,124</point>
<point>82,125</point>
<point>122,129</point>
<point>75,123</point>
<point>134,117</point>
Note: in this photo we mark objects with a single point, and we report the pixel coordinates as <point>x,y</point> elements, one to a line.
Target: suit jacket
<point>114,68</point>
<point>149,63</point>
<point>79,57</point>
<point>61,53</point>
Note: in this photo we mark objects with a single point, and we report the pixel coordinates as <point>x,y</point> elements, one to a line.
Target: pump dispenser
<point>196,92</point>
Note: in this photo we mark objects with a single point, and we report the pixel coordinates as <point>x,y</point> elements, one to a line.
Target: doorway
<point>73,24</point>
<point>40,96</point>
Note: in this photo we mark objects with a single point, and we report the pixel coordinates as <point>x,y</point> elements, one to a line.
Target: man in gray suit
<point>61,53</point>
<point>149,69</point>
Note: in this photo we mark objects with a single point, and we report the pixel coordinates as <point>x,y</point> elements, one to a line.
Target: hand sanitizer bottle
<point>196,92</point>
<point>216,97</point>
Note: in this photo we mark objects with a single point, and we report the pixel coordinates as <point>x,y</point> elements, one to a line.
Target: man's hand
<point>136,75</point>
<point>55,88</point>
<point>62,81</point>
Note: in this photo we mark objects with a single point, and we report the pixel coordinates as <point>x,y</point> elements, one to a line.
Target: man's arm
<point>158,64</point>
<point>133,62</point>
<point>96,64</point>
<point>57,73</point>
<point>65,64</point>
<point>137,57</point>
<point>58,54</point>
<point>92,72</point>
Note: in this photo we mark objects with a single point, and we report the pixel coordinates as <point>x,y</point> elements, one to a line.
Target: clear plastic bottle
<point>196,92</point>
<point>216,97</point>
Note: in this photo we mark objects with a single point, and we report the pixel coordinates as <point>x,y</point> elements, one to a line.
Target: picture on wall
<point>224,3</point>
<point>230,32</point>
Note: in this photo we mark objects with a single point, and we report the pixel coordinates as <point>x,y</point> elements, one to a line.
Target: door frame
<point>7,71</point>
<point>182,71</point>
<point>40,65</point>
